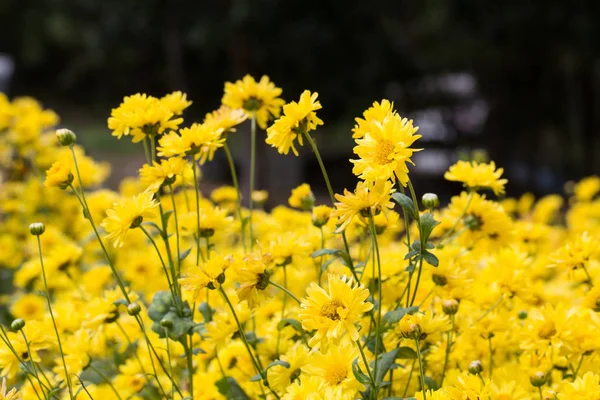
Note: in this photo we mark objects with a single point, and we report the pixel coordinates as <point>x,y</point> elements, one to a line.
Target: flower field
<point>161,291</point>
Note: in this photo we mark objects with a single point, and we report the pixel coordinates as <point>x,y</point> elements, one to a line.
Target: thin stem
<point>252,177</point>
<point>236,185</point>
<point>106,380</point>
<point>412,369</point>
<point>42,386</point>
<point>285,290</point>
<point>177,238</point>
<point>190,365</point>
<point>575,372</point>
<point>448,347</point>
<point>169,360</point>
<point>540,391</point>
<point>283,304</point>
<point>460,217</point>
<point>364,358</point>
<point>491,349</point>
<point>47,295</point>
<point>197,192</point>
<point>489,310</point>
<point>379,292</point>
<point>162,261</point>
<point>320,274</point>
<point>418,221</point>
<point>590,281</point>
<point>421,372</point>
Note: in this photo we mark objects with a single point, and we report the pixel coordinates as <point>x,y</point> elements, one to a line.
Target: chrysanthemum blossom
<point>128,214</point>
<point>476,175</point>
<point>298,118</point>
<point>334,312</point>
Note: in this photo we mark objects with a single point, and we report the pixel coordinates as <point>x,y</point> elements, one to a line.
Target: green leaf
<point>327,264</point>
<point>229,388</point>
<point>122,302</point>
<point>430,382</point>
<point>154,225</point>
<point>183,255</point>
<point>197,351</point>
<point>392,317</point>
<point>428,223</point>
<point>358,374</point>
<point>294,323</point>
<point>406,203</point>
<point>206,311</point>
<point>325,252</point>
<point>406,353</point>
<point>167,214</point>
<point>386,360</point>
<point>282,363</point>
<point>431,258</point>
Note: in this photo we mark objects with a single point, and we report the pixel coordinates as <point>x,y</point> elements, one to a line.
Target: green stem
<point>190,365</point>
<point>236,185</point>
<point>364,358</point>
<point>412,369</point>
<point>197,192</point>
<point>252,175</point>
<point>162,261</point>
<point>491,349</point>
<point>448,346</point>
<point>106,380</point>
<point>541,395</point>
<point>6,341</point>
<point>590,281</point>
<point>421,372</point>
<point>285,290</point>
<point>418,221</point>
<point>489,310</point>
<point>460,217</point>
<point>575,372</point>
<point>47,295</point>
<point>379,292</point>
<point>283,304</point>
<point>320,274</point>
<point>177,238</point>
<point>35,373</point>
<point>169,360</point>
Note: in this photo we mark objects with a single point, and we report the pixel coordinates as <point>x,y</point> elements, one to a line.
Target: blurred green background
<point>520,79</point>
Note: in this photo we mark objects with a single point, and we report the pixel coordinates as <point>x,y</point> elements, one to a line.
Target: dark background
<point>520,79</point>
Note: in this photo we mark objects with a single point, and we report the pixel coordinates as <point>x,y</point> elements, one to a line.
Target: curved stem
<point>236,185</point>
<point>285,290</point>
<point>47,295</point>
<point>106,380</point>
<point>252,175</point>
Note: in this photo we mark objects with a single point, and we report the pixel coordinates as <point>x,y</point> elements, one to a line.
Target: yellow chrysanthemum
<point>8,395</point>
<point>253,277</point>
<point>576,253</point>
<point>211,274</point>
<point>225,118</point>
<point>476,175</point>
<point>297,119</point>
<point>367,197</point>
<point>176,102</point>
<point>587,188</point>
<point>377,112</point>
<point>260,99</point>
<point>128,214</point>
<point>162,173</point>
<point>302,197</point>
<point>334,312</point>
<point>199,139</point>
<point>384,150</point>
<point>419,325</point>
<point>585,388</point>
<point>59,175</point>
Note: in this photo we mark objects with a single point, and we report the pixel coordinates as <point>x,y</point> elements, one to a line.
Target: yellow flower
<point>469,387</point>
<point>334,312</point>
<point>176,102</point>
<point>585,388</point>
<point>587,188</point>
<point>144,116</point>
<point>162,173</point>
<point>302,197</point>
<point>377,112</point>
<point>225,118</point>
<point>384,150</point>
<point>253,276</point>
<point>307,388</point>
<point>59,175</point>
<point>297,119</point>
<point>367,197</point>
<point>211,274</point>
<point>281,377</point>
<point>476,175</point>
<point>576,253</point>
<point>29,307</point>
<point>255,98</point>
<point>128,214</point>
<point>202,139</point>
<point>321,215</point>
<point>419,325</point>
<point>10,395</point>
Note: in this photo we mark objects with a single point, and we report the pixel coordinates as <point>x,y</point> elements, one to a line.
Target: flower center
<point>337,376</point>
<point>329,310</point>
<point>382,151</point>
<point>252,104</point>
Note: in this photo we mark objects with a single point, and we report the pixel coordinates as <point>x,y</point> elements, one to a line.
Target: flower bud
<point>66,137</point>
<point>538,379</point>
<point>450,307</point>
<point>320,215</point>
<point>522,314</point>
<point>17,324</point>
<point>166,323</point>
<point>133,309</point>
<point>37,228</point>
<point>475,367</point>
<point>430,200</point>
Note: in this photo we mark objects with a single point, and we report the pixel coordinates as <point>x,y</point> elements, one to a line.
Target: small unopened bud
<point>475,367</point>
<point>133,309</point>
<point>66,137</point>
<point>320,215</point>
<point>450,307</point>
<point>522,314</point>
<point>37,228</point>
<point>17,324</point>
<point>430,200</point>
<point>166,323</point>
<point>538,379</point>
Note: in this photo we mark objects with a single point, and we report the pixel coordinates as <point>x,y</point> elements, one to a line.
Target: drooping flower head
<point>476,175</point>
<point>334,312</point>
<point>384,149</point>
<point>302,197</point>
<point>255,98</point>
<point>253,276</point>
<point>128,214</point>
<point>210,275</point>
<point>225,118</point>
<point>297,119</point>
<point>367,197</point>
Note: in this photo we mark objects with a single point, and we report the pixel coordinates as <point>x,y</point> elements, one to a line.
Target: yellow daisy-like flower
<point>368,196</point>
<point>385,149</point>
<point>587,188</point>
<point>210,275</point>
<point>176,102</point>
<point>321,215</point>
<point>298,118</point>
<point>225,118</point>
<point>253,277</point>
<point>260,99</point>
<point>576,253</point>
<point>585,388</point>
<point>59,175</point>
<point>476,175</point>
<point>128,214</point>
<point>10,395</point>
<point>141,116</point>
<point>417,326</point>
<point>281,377</point>
<point>334,312</point>
<point>377,112</point>
<point>201,139</point>
<point>302,197</point>
<point>163,173</point>
<point>307,388</point>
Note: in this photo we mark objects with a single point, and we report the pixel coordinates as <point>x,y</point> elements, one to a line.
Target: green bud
<point>475,367</point>
<point>538,379</point>
<point>522,314</point>
<point>17,324</point>
<point>450,307</point>
<point>37,228</point>
<point>66,137</point>
<point>430,200</point>
<point>133,309</point>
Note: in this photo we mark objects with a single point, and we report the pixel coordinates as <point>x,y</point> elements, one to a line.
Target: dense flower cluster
<point>161,291</point>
